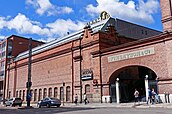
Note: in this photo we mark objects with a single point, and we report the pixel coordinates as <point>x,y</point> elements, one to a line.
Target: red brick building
<point>9,49</point>
<point>99,62</point>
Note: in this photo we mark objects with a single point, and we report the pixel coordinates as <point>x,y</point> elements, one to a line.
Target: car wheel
<point>11,105</point>
<point>39,106</point>
<point>58,105</point>
<point>48,105</point>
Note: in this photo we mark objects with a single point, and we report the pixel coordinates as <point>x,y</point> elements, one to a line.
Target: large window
<point>31,91</point>
<point>35,95</point>
<point>20,94</point>
<point>55,92</point>
<point>68,93</point>
<point>23,95</point>
<point>87,88</point>
<point>9,49</point>
<point>61,93</point>
<point>40,95</point>
<point>50,92</point>
<point>45,93</point>
<point>9,96</point>
<point>17,93</point>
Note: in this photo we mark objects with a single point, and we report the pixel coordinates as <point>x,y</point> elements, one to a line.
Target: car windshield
<point>53,98</point>
<point>17,98</point>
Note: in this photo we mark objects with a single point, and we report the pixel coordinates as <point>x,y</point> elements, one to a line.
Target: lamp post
<point>146,87</point>
<point>157,85</point>
<point>29,83</point>
<point>117,91</point>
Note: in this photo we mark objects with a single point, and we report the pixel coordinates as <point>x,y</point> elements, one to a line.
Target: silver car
<point>13,102</point>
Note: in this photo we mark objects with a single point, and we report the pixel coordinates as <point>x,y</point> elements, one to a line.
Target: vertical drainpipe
<point>101,86</point>
<point>80,72</point>
<point>15,79</point>
<point>170,10</point>
<point>170,7</point>
<point>5,76</point>
<point>72,74</point>
<point>8,81</point>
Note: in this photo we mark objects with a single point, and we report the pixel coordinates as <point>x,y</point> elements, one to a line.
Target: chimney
<point>166,10</point>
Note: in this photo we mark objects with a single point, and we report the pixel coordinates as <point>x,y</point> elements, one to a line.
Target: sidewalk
<point>110,105</point>
<point>123,105</point>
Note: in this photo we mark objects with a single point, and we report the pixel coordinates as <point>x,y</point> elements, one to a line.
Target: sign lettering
<point>134,54</point>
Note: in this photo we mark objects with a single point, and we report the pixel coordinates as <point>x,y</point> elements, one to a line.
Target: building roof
<point>95,26</point>
<point>98,26</point>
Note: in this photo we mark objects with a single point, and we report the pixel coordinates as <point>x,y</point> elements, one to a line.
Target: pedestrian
<point>136,96</point>
<point>76,99</point>
<point>85,98</point>
<point>149,96</point>
<point>153,96</point>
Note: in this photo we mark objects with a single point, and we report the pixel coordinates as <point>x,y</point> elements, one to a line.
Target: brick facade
<point>63,65</point>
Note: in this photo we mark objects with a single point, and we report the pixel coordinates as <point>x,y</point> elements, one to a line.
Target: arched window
<point>55,92</point>
<point>16,93</point>
<point>40,95</point>
<point>20,92</point>
<point>87,88</point>
<point>31,91</point>
<point>35,95</point>
<point>9,94</point>
<point>23,95</point>
<point>50,92</point>
<point>68,93</point>
<point>61,93</point>
<point>45,93</point>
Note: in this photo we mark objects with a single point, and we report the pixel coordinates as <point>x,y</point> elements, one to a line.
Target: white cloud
<point>45,7</point>
<point>2,37</point>
<point>2,22</point>
<point>24,25</point>
<point>61,27</point>
<point>141,12</point>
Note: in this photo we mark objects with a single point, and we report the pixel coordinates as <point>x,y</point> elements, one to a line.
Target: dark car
<point>13,102</point>
<point>48,102</point>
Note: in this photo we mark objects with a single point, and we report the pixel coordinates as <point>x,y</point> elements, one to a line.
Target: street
<point>82,110</point>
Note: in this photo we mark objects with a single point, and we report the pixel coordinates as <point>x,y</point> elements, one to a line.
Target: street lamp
<point>146,87</point>
<point>29,83</point>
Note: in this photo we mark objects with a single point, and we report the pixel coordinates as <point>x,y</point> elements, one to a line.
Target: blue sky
<point>46,20</point>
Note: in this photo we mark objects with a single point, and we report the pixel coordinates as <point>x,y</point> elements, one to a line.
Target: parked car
<point>13,102</point>
<point>48,102</point>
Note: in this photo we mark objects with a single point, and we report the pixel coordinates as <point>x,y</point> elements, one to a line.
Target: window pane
<point>87,88</point>
<point>68,93</point>
<point>55,92</point>
<point>61,93</point>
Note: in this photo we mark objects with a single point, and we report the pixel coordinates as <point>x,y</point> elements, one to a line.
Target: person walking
<point>85,98</point>
<point>76,99</point>
<point>149,96</point>
<point>153,96</point>
<point>136,96</point>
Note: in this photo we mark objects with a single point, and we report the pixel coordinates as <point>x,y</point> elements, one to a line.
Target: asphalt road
<point>80,110</point>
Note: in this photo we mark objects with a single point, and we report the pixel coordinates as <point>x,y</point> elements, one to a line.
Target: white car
<point>13,102</point>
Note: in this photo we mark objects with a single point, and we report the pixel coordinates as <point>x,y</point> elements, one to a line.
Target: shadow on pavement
<point>43,110</point>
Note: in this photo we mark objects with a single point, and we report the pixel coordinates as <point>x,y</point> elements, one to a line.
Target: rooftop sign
<point>103,15</point>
